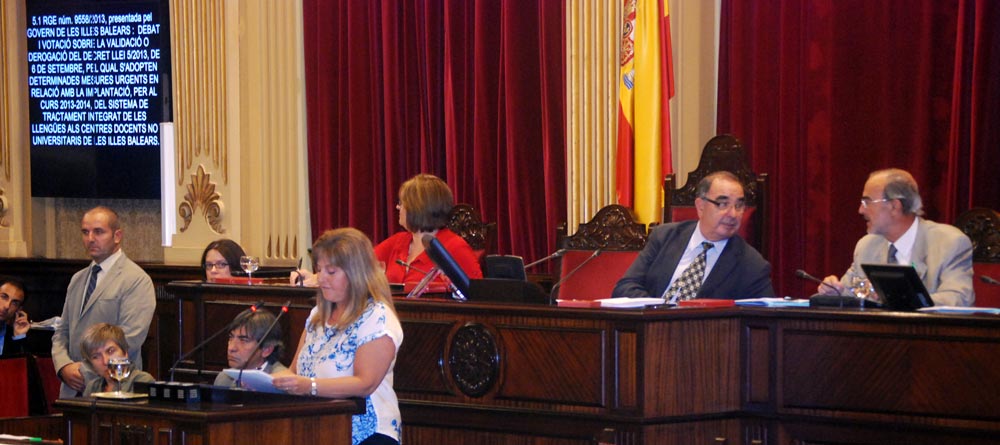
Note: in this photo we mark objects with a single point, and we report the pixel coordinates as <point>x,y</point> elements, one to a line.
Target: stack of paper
<point>630,302</point>
<point>773,302</point>
<point>960,310</point>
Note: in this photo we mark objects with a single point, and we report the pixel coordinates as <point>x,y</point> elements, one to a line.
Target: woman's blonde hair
<point>428,202</point>
<point>351,251</point>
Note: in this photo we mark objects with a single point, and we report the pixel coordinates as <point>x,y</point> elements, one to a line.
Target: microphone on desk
<point>804,275</point>
<point>256,306</point>
<point>556,254</point>
<point>284,308</point>
<point>989,279</point>
<point>408,266</point>
<point>562,280</point>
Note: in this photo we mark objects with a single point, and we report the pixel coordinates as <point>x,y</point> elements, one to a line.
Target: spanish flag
<point>645,85</point>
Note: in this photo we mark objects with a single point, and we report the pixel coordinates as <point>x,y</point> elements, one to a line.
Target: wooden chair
<point>982,226</point>
<point>614,231</point>
<point>723,152</point>
<point>466,222</point>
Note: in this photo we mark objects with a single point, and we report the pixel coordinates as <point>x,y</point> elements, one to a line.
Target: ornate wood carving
<point>466,222</point>
<point>474,360</point>
<point>982,226</point>
<point>613,228</point>
<point>723,152</point>
<point>4,208</point>
<point>201,194</point>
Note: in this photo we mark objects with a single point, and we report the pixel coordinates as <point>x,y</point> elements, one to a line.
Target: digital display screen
<point>97,85</point>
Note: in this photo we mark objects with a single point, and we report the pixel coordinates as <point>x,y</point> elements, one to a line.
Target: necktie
<point>686,287</point>
<point>90,285</point>
<point>891,258</point>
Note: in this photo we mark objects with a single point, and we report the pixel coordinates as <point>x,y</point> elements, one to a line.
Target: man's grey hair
<point>899,184</point>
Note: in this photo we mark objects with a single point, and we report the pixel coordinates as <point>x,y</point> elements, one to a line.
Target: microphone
<point>804,275</point>
<point>408,266</point>
<point>557,254</point>
<point>256,348</point>
<point>988,279</point>
<point>259,304</point>
<point>562,280</point>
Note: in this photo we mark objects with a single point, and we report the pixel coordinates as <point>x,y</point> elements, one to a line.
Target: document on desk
<point>960,310</point>
<point>630,302</point>
<point>254,380</point>
<point>773,302</point>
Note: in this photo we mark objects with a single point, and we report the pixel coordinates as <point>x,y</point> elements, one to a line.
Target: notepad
<point>254,380</point>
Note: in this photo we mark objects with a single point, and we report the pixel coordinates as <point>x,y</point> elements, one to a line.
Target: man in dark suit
<point>13,321</point>
<point>704,258</point>
<point>112,289</point>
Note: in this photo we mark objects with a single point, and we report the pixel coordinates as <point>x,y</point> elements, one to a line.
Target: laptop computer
<point>898,286</point>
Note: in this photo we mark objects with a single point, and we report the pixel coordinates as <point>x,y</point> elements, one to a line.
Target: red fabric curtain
<point>471,91</point>
<point>823,92</point>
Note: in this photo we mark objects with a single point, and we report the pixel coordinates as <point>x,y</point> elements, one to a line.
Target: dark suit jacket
<point>11,346</point>
<point>740,272</point>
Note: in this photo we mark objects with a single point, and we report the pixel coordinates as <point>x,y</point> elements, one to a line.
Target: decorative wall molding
<point>201,195</point>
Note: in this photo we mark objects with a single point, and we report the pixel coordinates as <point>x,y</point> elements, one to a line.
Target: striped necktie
<point>90,285</point>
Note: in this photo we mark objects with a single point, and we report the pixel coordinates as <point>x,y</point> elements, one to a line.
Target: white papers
<point>960,310</point>
<point>254,380</point>
<point>630,302</point>
<point>773,302</point>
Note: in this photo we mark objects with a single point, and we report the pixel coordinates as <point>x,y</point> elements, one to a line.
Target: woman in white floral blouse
<point>351,338</point>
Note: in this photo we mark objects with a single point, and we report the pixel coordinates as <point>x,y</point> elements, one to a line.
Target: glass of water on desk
<point>120,368</point>
<point>861,288</point>
<point>250,264</point>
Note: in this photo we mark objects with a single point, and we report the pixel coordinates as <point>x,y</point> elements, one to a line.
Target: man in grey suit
<point>941,254</point>
<point>245,332</point>
<point>112,289</point>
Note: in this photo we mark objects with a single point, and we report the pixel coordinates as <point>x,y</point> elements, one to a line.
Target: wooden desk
<point>512,374</point>
<point>255,419</point>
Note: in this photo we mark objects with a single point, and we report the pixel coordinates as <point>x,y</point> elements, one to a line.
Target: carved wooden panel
<point>612,228</point>
<point>466,222</point>
<point>982,226</point>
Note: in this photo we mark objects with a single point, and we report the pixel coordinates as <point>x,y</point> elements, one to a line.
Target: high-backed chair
<point>466,222</point>
<point>982,226</point>
<point>614,237</point>
<point>722,152</point>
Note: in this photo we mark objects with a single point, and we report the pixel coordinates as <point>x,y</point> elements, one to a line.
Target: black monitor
<point>898,286</point>
<point>489,290</point>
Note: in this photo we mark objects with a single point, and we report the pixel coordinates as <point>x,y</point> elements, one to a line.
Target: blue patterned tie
<point>891,258</point>
<point>686,287</point>
<point>90,285</point>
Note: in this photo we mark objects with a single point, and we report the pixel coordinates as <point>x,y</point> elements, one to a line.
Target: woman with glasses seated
<point>220,258</point>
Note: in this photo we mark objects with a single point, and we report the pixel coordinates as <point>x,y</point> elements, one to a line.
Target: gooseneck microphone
<point>284,308</point>
<point>259,304</point>
<point>562,280</point>
<point>804,275</point>
<point>557,254</point>
<point>408,266</point>
<point>989,279</point>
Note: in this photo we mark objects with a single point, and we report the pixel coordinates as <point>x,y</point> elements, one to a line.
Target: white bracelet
<point>312,383</point>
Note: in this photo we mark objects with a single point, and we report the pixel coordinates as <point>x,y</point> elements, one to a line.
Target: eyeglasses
<point>726,204</point>
<point>220,265</point>
<point>865,202</point>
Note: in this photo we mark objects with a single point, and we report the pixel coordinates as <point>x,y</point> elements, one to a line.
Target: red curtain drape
<point>472,91</point>
<point>823,92</point>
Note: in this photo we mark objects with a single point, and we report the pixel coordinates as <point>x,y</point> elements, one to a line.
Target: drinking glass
<point>861,288</point>
<point>250,264</point>
<point>120,368</point>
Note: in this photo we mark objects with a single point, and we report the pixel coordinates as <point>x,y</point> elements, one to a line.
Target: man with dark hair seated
<point>13,321</point>
<point>245,331</point>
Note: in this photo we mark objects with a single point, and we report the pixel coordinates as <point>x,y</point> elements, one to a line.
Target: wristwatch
<point>312,386</point>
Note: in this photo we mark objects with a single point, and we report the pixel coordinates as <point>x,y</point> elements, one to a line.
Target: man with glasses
<point>245,331</point>
<point>941,254</point>
<point>704,258</point>
<point>13,321</point>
